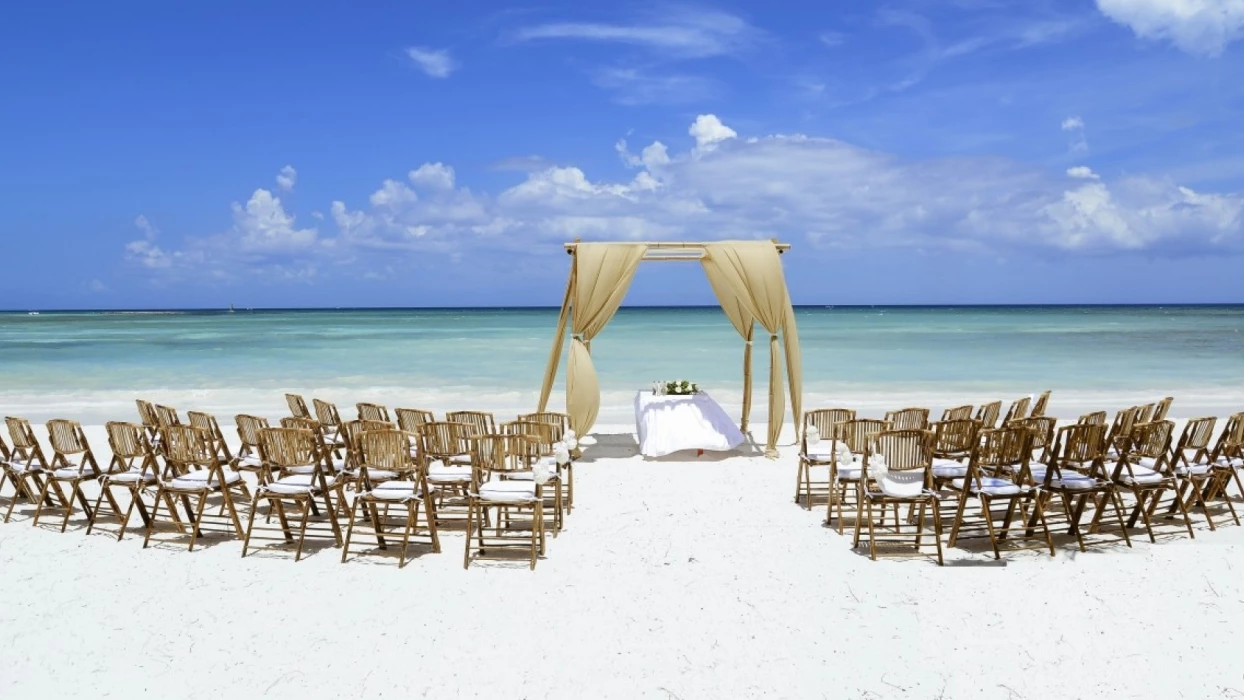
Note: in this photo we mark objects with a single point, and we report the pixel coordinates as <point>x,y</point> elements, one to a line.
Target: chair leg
<point>872,535</point>
<point>90,524</point>
<point>429,514</point>
<point>411,516</point>
<point>937,531</point>
<point>155,509</point>
<point>345,546</point>
<point>954,527</point>
<point>43,493</point>
<point>198,521</point>
<point>250,523</point>
<point>466,556</point>
<point>302,529</point>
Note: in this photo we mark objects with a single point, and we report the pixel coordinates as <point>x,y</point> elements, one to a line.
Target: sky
<point>429,153</point>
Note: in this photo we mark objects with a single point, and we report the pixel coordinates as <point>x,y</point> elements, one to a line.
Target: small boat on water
<point>231,309</point>
<point>32,313</point>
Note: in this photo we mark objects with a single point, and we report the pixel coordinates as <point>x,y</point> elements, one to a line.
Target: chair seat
<point>1071,481</point>
<point>991,486</point>
<point>440,472</point>
<point>297,484</point>
<point>1234,462</point>
<point>20,467</point>
<point>1194,469</point>
<point>1138,476</point>
<point>339,465</point>
<point>902,484</point>
<point>251,461</point>
<point>132,476</point>
<point>197,481</point>
<point>381,474</point>
<point>396,491</point>
<point>512,491</point>
<point>851,472</point>
<point>78,471</point>
<point>949,468</point>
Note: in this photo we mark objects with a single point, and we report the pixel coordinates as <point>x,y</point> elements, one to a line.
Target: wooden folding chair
<point>1076,473</point>
<point>1042,429</point>
<point>196,471</point>
<point>846,462</point>
<point>958,413</point>
<point>907,456</point>
<point>1229,450</point>
<point>388,476</point>
<point>907,419</point>
<point>1163,408</point>
<point>249,457</point>
<point>300,473</point>
<point>147,416</point>
<point>1000,451</point>
<point>1039,408</point>
<point>480,422</point>
<point>539,445</point>
<point>26,467</point>
<point>1145,470</point>
<point>1201,479</point>
<point>166,416</point>
<point>953,444</point>
<point>297,406</point>
<point>500,464</point>
<point>373,412</point>
<point>207,423</point>
<point>133,468</point>
<point>73,464</point>
<point>987,414</point>
<point>561,425</point>
<point>330,420</point>
<point>1094,418</point>
<point>1018,409</point>
<point>826,422</point>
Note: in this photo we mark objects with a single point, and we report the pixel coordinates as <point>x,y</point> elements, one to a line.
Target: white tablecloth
<point>669,424</point>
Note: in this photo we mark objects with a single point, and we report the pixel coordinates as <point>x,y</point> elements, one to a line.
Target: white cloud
<point>687,34</point>
<point>150,231</point>
<point>437,176</point>
<point>1201,27</point>
<point>437,63</point>
<point>832,39</point>
<point>815,191</point>
<point>1078,142</point>
<point>287,178</point>
<point>633,86</point>
<point>709,131</point>
<point>1072,124</point>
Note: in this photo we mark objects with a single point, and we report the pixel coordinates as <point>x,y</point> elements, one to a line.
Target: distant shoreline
<point>704,307</point>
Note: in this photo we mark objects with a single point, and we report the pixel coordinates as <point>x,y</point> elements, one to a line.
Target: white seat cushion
<point>949,468</point>
<point>850,472</point>
<point>1146,462</point>
<point>902,484</point>
<point>21,467</point>
<point>132,476</point>
<point>250,461</point>
<point>508,492</point>
<point>297,484</point>
<point>451,473</point>
<point>1139,475</point>
<point>396,491</point>
<point>73,472</point>
<point>1073,481</point>
<point>990,485</point>
<point>1193,470</point>
<point>199,480</point>
<point>1235,462</point>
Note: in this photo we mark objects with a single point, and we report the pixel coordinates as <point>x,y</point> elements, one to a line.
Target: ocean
<point>91,365</point>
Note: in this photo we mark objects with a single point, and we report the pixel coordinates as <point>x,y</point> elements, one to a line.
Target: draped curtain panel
<point>753,271</point>
<point>602,274</point>
<point>743,321</point>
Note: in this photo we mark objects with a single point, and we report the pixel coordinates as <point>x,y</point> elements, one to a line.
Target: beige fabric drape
<point>743,321</point>
<point>753,271</point>
<point>602,274</point>
<point>794,363</point>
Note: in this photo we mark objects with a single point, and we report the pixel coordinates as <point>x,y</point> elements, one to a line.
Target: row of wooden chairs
<point>1027,462</point>
<point>295,465</point>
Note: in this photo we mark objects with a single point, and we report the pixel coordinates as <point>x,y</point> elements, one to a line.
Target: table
<point>669,424</point>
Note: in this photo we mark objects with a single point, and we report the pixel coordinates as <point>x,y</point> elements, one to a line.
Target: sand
<point>680,578</point>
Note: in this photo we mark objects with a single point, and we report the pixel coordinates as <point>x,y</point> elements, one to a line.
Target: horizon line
<point>211,309</point>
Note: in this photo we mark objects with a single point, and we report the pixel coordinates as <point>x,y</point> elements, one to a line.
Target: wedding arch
<point>748,281</point>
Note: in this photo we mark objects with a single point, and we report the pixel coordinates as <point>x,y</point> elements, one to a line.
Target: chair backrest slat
<point>987,414</point>
<point>297,406</point>
<point>373,412</point>
<point>409,419</point>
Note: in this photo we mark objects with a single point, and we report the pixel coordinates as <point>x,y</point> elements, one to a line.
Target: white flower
<point>561,453</point>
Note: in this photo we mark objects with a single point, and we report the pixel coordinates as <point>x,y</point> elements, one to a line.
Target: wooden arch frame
<point>749,283</point>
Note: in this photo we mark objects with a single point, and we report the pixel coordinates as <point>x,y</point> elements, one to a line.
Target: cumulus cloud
<point>150,231</point>
<point>436,63</point>
<point>814,190</point>
<point>287,178</point>
<point>1199,27</point>
<point>708,131</point>
<point>1075,126</point>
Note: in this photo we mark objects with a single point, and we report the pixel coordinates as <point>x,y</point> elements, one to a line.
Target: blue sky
<point>438,154</point>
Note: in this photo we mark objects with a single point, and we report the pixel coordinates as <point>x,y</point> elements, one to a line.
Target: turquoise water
<point>92,365</point>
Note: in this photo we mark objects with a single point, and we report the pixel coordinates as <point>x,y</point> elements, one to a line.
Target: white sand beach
<point>675,578</point>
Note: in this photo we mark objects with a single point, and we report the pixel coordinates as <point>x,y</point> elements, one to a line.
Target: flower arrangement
<point>678,387</point>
